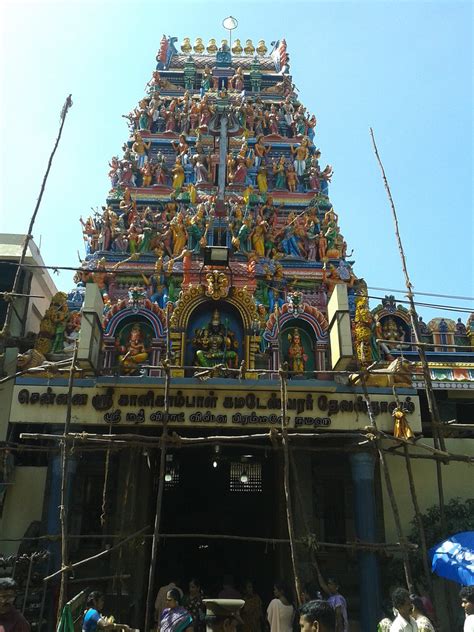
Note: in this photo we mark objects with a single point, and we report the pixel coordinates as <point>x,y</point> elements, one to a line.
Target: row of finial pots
<point>211,48</point>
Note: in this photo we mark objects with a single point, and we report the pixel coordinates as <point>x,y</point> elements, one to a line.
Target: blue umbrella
<point>454,558</point>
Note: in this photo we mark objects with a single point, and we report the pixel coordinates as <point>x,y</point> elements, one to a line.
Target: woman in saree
<point>174,617</point>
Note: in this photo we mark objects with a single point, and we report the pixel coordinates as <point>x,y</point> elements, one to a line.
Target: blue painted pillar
<point>362,466</point>
<point>53,524</point>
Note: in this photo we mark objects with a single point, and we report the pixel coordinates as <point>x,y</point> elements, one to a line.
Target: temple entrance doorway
<point>229,492</point>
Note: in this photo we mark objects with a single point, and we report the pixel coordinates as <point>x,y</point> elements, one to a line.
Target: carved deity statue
<point>297,357</point>
<point>134,352</point>
<point>364,332</point>
<point>217,285</point>
<point>393,332</point>
<point>216,344</point>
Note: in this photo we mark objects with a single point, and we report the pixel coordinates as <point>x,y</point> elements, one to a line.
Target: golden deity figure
<point>262,181</point>
<point>217,285</point>
<point>178,175</point>
<point>297,357</point>
<point>180,235</point>
<point>134,352</point>
<point>363,332</point>
<point>393,332</point>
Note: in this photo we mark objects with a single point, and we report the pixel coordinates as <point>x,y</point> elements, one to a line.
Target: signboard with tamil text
<point>204,405</point>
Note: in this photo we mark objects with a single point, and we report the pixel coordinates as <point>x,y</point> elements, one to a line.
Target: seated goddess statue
<point>216,344</point>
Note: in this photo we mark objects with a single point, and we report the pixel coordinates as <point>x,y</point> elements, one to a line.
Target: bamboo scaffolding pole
<point>433,457</point>
<point>123,512</point>
<point>97,445</point>
<point>103,515</point>
<point>432,404</point>
<point>161,481</point>
<point>282,372</point>
<point>374,436</point>
<point>100,447</point>
<point>419,521</point>
<point>63,509</point>
<point>70,567</point>
<point>16,282</point>
<point>416,508</point>
<point>84,580</point>
<point>47,366</point>
<point>448,426</point>
<point>438,435</point>
<point>309,534</point>
<point>27,585</point>
<point>359,544</point>
<point>179,442</point>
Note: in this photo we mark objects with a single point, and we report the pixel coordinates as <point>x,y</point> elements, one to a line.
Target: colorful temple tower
<point>222,162</point>
<point>219,253</point>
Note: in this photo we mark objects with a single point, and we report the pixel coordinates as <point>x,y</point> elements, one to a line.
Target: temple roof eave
<point>266,64</point>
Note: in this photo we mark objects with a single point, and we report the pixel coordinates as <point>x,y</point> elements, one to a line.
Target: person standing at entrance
<point>280,612</point>
<point>11,619</point>
<point>403,622</point>
<point>160,602</point>
<point>174,617</point>
<point>419,614</point>
<point>317,616</point>
<point>252,612</point>
<point>193,603</point>
<point>93,618</point>
<point>336,601</point>
<point>467,603</point>
<point>310,592</point>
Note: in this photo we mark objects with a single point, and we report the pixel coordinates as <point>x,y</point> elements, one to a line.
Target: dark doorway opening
<point>201,501</point>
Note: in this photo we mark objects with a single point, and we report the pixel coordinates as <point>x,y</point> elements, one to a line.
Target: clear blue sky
<point>404,68</point>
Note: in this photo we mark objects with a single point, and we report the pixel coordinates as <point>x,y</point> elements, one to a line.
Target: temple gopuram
<point>216,295</point>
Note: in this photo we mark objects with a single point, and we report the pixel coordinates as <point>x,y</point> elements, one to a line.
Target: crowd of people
<point>176,611</point>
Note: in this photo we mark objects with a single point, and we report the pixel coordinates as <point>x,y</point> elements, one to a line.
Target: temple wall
<point>23,504</point>
<point>457,481</point>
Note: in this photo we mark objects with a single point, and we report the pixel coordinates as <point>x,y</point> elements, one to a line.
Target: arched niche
<point>395,322</point>
<point>395,329</point>
<point>117,333</point>
<point>314,327</point>
<point>217,320</point>
<point>239,302</point>
<point>303,329</point>
<point>141,314</point>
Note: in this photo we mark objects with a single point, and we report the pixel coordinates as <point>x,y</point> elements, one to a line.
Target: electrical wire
<point>452,308</point>
<point>389,289</point>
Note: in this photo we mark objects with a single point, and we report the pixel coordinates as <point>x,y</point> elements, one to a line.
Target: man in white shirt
<point>404,622</point>
<point>467,602</point>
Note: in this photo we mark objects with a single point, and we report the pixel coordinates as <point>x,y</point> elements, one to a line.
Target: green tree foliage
<point>459,517</point>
